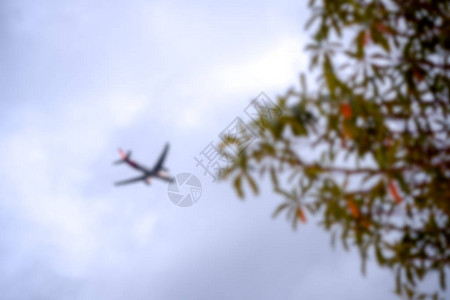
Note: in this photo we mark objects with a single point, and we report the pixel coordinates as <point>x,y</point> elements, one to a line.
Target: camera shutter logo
<point>185,190</point>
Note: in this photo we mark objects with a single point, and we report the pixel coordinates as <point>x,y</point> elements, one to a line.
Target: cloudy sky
<point>80,79</point>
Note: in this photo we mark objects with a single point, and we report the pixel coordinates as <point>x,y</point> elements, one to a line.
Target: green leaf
<point>279,209</point>
<point>378,38</point>
<point>311,21</point>
<point>398,281</point>
<point>273,177</point>
<point>252,184</point>
<point>379,254</point>
<point>303,83</point>
<point>238,186</point>
<point>359,41</point>
<point>442,277</point>
<point>330,77</point>
<point>409,275</point>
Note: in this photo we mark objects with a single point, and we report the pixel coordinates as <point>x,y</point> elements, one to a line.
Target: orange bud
<point>383,28</point>
<point>346,110</point>
<point>388,142</point>
<point>301,215</point>
<point>353,208</point>
<point>394,192</point>
<point>366,37</point>
<point>365,223</point>
<point>418,74</point>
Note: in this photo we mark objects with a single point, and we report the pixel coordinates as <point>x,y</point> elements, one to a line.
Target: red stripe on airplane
<point>122,154</point>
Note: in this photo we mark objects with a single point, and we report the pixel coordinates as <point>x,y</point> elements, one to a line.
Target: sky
<point>80,79</point>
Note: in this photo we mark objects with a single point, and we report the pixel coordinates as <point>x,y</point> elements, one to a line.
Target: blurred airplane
<point>158,171</point>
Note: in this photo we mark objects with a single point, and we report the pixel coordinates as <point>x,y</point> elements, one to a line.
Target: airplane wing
<point>132,180</point>
<point>126,158</point>
<point>161,159</point>
<point>164,178</point>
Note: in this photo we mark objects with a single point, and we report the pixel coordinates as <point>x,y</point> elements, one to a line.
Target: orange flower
<point>365,223</point>
<point>366,37</point>
<point>418,74</point>
<point>346,110</point>
<point>394,192</point>
<point>383,28</point>
<point>388,142</point>
<point>353,208</point>
<point>301,215</point>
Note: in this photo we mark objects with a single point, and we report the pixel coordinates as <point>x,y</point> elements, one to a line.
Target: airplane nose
<point>122,153</point>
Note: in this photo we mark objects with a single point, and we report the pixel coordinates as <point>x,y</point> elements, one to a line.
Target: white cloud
<point>47,162</point>
<point>275,67</point>
<point>232,83</point>
<point>143,227</point>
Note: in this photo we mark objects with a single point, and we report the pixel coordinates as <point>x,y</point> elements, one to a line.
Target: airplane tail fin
<point>124,157</point>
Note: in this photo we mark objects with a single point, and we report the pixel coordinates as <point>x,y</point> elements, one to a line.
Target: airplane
<point>158,171</point>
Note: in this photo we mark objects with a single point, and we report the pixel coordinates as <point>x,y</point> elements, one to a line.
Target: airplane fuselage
<point>158,171</point>
<point>149,174</point>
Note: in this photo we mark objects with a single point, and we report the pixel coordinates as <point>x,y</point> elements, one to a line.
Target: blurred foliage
<point>368,152</point>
